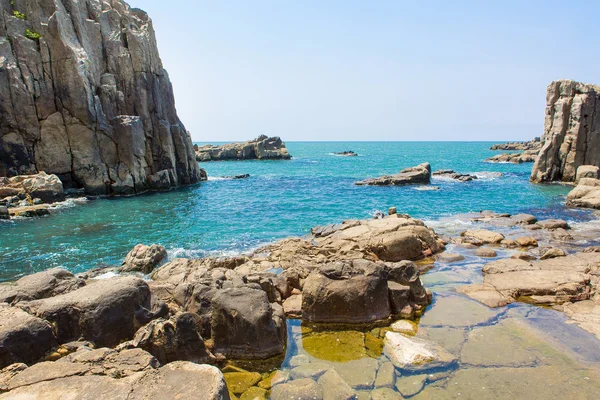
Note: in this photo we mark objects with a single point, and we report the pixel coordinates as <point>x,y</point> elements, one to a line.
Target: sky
<point>351,70</point>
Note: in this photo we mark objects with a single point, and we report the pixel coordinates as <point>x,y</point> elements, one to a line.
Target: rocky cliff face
<point>83,95</point>
<point>571,131</point>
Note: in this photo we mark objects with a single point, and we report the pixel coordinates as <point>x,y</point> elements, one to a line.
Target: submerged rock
<point>261,148</point>
<point>570,131</point>
<point>415,354</point>
<point>414,175</point>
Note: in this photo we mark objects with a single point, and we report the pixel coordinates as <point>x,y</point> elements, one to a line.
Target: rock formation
<point>348,153</point>
<point>515,158</point>
<point>451,174</point>
<point>83,95</point>
<point>534,144</point>
<point>420,174</point>
<point>571,131</point>
<point>586,194</point>
<point>261,148</point>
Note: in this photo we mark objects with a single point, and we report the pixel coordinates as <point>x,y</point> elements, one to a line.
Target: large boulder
<point>571,131</point>
<point>245,325</point>
<point>586,194</point>
<point>144,258</point>
<point>346,292</point>
<point>24,338</point>
<point>105,311</point>
<point>47,188</point>
<point>421,174</point>
<point>261,148</point>
<point>415,354</point>
<point>108,124</point>
<point>40,285</point>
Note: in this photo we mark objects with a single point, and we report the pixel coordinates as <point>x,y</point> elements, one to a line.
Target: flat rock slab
<point>415,354</point>
<point>456,311</point>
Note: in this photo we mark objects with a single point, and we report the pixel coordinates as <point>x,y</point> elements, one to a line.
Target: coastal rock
<point>85,97</point>
<point>24,338</point>
<point>299,389</point>
<point>534,144</point>
<point>144,258</point>
<point>348,153</point>
<point>244,324</point>
<point>420,174</point>
<point>105,312</point>
<point>587,171</point>
<point>586,194</point>
<point>483,236</point>
<point>451,174</point>
<point>515,158</point>
<point>115,375</point>
<point>571,129</point>
<point>40,285</point>
<point>261,148</point>
<point>47,188</point>
<point>346,292</point>
<point>415,354</point>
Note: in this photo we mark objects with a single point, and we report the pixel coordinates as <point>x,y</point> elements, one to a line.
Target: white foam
<point>106,275</point>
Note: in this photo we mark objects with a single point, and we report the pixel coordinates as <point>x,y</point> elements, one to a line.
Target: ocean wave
<point>427,188</point>
<point>106,275</point>
<point>487,175</point>
<point>68,203</point>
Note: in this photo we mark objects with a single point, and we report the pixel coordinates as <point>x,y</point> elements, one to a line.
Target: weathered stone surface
<point>484,236</point>
<point>586,194</point>
<point>587,171</point>
<point>40,285</point>
<point>415,354</point>
<point>47,188</point>
<point>89,100</point>
<point>346,292</point>
<point>359,374</point>
<point>23,337</point>
<point>144,258</point>
<point>105,312</point>
<point>553,224</point>
<point>515,158</point>
<point>299,389</point>
<point>244,325</point>
<point>261,148</point>
<point>451,174</point>
<point>421,174</point>
<point>571,131</point>
<point>335,388</point>
<point>386,376</point>
<point>534,144</point>
<point>486,252</point>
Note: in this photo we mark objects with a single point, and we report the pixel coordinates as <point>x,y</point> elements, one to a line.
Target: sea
<point>281,198</point>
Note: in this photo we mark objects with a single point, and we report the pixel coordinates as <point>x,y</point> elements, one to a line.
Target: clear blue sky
<point>371,70</point>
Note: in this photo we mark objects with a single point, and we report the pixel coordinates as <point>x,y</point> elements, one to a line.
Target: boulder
<point>24,338</point>
<point>570,137</point>
<point>245,325</point>
<point>514,158</point>
<point>586,194</point>
<point>346,292</point>
<point>534,144</point>
<point>587,171</point>
<point>421,174</point>
<point>144,258</point>
<point>483,236</point>
<point>552,224</point>
<point>453,175</point>
<point>261,148</point>
<point>415,354</point>
<point>40,285</point>
<point>105,312</point>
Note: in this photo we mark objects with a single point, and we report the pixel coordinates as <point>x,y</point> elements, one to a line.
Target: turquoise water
<point>280,199</point>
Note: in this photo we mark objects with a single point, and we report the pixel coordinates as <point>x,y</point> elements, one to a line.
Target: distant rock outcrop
<point>534,144</point>
<point>515,158</point>
<point>261,148</point>
<point>451,174</point>
<point>83,95</point>
<point>419,174</point>
<point>571,131</point>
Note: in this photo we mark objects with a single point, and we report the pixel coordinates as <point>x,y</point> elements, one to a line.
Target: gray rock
<point>89,100</point>
<point>300,389</point>
<point>144,258</point>
<point>386,376</point>
<point>23,337</point>
<point>570,131</point>
<point>335,388</point>
<point>586,194</point>
<point>415,354</point>
<point>40,285</point>
<point>421,174</point>
<point>105,312</point>
<point>261,148</point>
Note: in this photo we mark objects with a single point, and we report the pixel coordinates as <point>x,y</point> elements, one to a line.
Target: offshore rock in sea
<point>261,148</point>
<point>451,174</point>
<point>83,95</point>
<point>515,158</point>
<point>571,131</point>
<point>348,153</point>
<point>421,174</point>
<point>534,144</point>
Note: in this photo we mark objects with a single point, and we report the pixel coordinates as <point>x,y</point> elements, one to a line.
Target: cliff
<point>83,95</point>
<point>571,131</point>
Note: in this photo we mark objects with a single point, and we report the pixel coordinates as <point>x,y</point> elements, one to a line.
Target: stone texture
<point>421,174</point>
<point>144,258</point>
<point>261,148</point>
<point>415,354</point>
<point>514,158</point>
<point>586,194</point>
<point>571,131</point>
<point>89,100</point>
<point>300,389</point>
<point>40,285</point>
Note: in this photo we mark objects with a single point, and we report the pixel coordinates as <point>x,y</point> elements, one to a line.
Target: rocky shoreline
<point>261,148</point>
